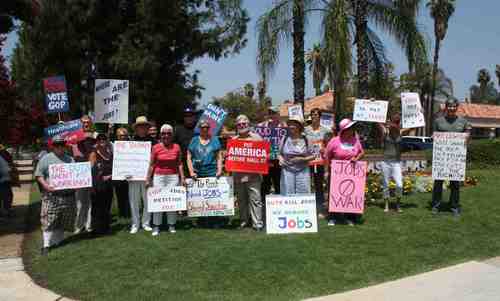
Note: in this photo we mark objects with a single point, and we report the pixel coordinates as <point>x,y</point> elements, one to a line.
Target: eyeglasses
<point>242,124</point>
<point>166,133</point>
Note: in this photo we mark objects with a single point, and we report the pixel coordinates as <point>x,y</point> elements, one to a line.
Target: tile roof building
<point>325,102</point>
<point>485,119</point>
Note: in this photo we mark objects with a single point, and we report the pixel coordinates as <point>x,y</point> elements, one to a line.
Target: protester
<point>81,153</point>
<point>315,134</point>
<point>390,136</point>
<point>184,133</point>
<point>6,195</point>
<point>102,193</point>
<point>58,207</point>
<point>137,189</point>
<point>247,185</point>
<point>294,160</point>
<point>204,159</point>
<point>346,146</point>
<point>153,131</point>
<point>449,123</point>
<point>121,187</point>
<point>165,170</point>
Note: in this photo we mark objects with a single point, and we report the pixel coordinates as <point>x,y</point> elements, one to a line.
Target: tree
<point>486,91</point>
<point>10,10</point>
<point>236,103</point>
<point>497,73</point>
<point>317,67</point>
<point>249,90</point>
<point>441,11</point>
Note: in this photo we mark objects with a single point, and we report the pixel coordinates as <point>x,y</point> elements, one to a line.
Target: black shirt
<point>145,139</point>
<point>183,136</point>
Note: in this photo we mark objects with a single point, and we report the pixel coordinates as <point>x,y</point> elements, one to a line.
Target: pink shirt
<point>165,159</point>
<point>338,149</point>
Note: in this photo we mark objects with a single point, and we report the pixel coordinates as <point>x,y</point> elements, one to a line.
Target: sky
<point>472,43</point>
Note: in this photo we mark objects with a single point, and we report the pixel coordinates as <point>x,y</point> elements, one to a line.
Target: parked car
<point>409,143</point>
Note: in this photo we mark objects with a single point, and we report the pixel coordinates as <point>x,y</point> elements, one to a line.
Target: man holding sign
<point>448,123</point>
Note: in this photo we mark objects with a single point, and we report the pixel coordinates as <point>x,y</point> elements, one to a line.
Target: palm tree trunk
<point>299,64</point>
<point>362,50</point>
<point>430,109</point>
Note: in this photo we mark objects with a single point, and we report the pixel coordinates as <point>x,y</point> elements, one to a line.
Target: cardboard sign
<point>215,117</point>
<point>70,175</point>
<point>291,214</point>
<point>347,188</point>
<point>248,156</point>
<point>449,156</point>
<point>411,111</point>
<point>56,95</point>
<point>131,160</point>
<point>70,131</point>
<point>315,148</point>
<point>326,120</point>
<point>370,111</point>
<point>295,111</point>
<point>166,199</point>
<point>111,101</point>
<point>210,197</point>
<point>273,135</point>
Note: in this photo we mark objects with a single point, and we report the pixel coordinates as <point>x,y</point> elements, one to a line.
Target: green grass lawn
<point>229,264</point>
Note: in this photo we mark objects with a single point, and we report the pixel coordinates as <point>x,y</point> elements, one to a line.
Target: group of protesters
<point>177,153</point>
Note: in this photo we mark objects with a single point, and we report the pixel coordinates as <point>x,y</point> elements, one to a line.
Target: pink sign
<point>347,187</point>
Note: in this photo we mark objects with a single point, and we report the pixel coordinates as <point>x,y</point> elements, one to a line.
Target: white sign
<point>326,120</point>
<point>210,197</point>
<point>370,110</point>
<point>166,199</point>
<point>295,111</point>
<point>131,160</point>
<point>449,156</point>
<point>291,214</point>
<point>411,111</point>
<point>70,175</point>
<point>111,101</point>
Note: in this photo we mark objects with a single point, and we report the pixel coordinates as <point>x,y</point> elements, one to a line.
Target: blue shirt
<point>204,157</point>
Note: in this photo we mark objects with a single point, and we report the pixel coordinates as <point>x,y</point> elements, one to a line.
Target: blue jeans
<point>295,182</point>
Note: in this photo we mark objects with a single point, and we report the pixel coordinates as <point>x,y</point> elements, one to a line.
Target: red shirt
<point>165,159</point>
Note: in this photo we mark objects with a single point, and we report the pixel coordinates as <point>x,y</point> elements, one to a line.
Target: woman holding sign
<point>166,170</point>
<point>346,146</point>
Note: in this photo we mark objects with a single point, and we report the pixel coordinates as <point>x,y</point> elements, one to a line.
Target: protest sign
<point>215,117</point>
<point>70,175</point>
<point>347,189</point>
<point>411,111</point>
<point>56,95</point>
<point>273,135</point>
<point>326,120</point>
<point>315,148</point>
<point>449,154</point>
<point>291,214</point>
<point>247,156</point>
<point>210,197</point>
<point>166,199</point>
<point>70,131</point>
<point>370,110</point>
<point>295,112</point>
<point>111,101</point>
<point>131,160</point>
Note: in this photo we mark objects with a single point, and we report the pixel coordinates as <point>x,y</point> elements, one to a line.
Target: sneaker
<point>156,231</point>
<point>435,210</point>
<point>350,223</point>
<point>243,225</point>
<point>147,228</point>
<point>331,222</point>
<point>171,229</point>
<point>77,231</point>
<point>456,212</point>
<point>134,230</point>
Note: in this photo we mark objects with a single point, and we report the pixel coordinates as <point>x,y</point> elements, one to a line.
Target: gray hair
<point>242,118</point>
<point>166,128</point>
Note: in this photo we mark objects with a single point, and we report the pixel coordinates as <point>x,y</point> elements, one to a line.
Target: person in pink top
<point>346,146</point>
<point>166,170</point>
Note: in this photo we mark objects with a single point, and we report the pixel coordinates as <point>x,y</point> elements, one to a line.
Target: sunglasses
<point>242,125</point>
<point>166,133</point>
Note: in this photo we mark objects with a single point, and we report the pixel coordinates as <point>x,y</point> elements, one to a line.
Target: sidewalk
<point>15,284</point>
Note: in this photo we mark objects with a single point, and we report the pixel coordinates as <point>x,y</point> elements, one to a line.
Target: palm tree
<point>249,90</point>
<point>497,72</point>
<point>441,12</point>
<point>316,67</point>
<point>483,78</point>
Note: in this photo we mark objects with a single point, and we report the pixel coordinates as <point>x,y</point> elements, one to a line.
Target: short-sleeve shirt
<point>457,124</point>
<point>204,157</point>
<point>165,159</point>
<point>183,136</point>
<point>343,149</point>
<point>291,148</point>
<point>315,139</point>
<point>42,168</point>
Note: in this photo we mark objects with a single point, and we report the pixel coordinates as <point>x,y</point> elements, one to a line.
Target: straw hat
<point>141,120</point>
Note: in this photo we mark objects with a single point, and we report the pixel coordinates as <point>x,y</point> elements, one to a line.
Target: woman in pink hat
<point>346,146</point>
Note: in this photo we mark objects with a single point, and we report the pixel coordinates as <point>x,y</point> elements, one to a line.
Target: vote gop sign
<point>111,101</point>
<point>347,189</point>
<point>291,214</point>
<point>56,95</point>
<point>70,175</point>
<point>248,156</point>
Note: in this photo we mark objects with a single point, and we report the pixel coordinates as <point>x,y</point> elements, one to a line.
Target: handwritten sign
<point>166,199</point>
<point>291,214</point>
<point>295,112</point>
<point>326,120</point>
<point>248,156</point>
<point>273,135</point>
<point>210,197</point>
<point>347,189</point>
<point>111,101</point>
<point>370,111</point>
<point>70,175</point>
<point>56,95</point>
<point>131,160</point>
<point>411,111</point>
<point>315,148</point>
<point>449,154</point>
<point>215,117</point>
<point>70,131</point>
